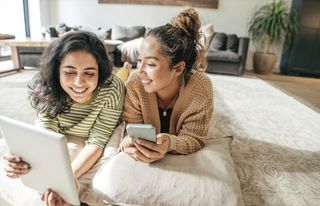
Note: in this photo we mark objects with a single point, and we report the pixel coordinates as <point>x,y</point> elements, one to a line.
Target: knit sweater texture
<point>191,113</point>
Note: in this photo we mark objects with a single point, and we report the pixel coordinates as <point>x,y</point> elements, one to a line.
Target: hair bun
<point>189,21</point>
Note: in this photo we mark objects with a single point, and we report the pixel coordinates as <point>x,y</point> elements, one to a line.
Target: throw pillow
<point>100,32</point>
<point>127,33</point>
<point>218,42</point>
<point>63,28</point>
<point>232,43</point>
<point>206,177</point>
<point>129,50</point>
<point>111,45</point>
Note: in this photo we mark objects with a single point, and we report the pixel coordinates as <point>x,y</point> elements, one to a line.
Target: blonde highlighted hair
<point>180,40</point>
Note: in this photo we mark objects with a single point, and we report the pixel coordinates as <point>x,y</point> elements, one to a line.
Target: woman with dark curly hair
<point>75,94</point>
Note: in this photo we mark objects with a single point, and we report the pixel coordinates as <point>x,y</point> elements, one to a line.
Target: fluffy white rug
<point>276,141</point>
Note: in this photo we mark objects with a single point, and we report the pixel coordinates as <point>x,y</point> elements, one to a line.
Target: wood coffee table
<point>23,42</point>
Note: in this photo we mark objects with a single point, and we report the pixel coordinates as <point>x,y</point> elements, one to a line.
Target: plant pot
<point>264,63</point>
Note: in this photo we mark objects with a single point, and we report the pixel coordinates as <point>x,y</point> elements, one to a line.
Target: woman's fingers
<point>127,141</point>
<point>42,196</point>
<point>12,158</point>
<point>14,166</point>
<point>51,199</point>
<point>131,151</point>
<point>14,170</point>
<point>140,157</point>
<point>46,194</point>
<point>148,144</point>
<point>12,175</point>
<point>164,141</point>
<point>144,151</point>
<point>18,165</point>
<point>151,154</point>
<point>134,153</point>
<point>161,146</point>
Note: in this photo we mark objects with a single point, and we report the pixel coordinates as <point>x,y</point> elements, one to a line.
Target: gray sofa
<point>113,39</point>
<point>227,54</point>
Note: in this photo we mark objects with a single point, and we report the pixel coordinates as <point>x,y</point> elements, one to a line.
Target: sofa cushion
<point>218,42</point>
<point>129,50</point>
<point>206,177</point>
<point>100,32</point>
<point>227,56</point>
<point>111,45</point>
<point>207,36</point>
<point>63,28</point>
<point>232,43</point>
<point>127,33</point>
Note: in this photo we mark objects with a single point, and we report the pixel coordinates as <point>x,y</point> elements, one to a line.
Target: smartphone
<point>143,131</point>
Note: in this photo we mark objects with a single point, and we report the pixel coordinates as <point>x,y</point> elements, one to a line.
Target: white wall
<point>11,17</point>
<point>232,16</point>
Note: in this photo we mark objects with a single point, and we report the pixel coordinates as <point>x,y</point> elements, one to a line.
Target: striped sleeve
<point>109,116</point>
<point>47,123</point>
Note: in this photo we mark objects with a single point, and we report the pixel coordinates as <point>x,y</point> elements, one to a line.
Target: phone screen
<point>143,131</point>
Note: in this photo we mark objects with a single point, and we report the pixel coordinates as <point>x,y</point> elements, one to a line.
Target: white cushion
<point>111,45</point>
<point>129,50</point>
<point>206,39</point>
<point>100,32</point>
<point>206,177</point>
<point>127,33</point>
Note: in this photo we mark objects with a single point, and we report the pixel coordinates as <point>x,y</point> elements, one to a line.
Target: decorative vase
<point>264,63</point>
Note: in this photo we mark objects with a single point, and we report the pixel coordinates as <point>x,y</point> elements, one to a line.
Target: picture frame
<point>193,3</point>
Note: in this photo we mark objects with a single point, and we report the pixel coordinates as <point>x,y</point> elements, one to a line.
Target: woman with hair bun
<point>170,91</point>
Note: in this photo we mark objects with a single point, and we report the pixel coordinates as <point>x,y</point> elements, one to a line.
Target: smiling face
<point>154,68</point>
<point>79,75</point>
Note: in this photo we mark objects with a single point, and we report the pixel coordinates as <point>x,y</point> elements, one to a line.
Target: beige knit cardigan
<point>190,117</point>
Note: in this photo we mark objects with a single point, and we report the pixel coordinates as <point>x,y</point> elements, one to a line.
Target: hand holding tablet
<point>46,153</point>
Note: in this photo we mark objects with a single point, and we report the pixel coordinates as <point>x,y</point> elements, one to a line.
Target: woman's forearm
<point>86,159</point>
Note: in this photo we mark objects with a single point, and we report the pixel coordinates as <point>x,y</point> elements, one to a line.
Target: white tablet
<point>47,154</point>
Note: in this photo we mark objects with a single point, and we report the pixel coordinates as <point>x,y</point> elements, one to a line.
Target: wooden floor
<point>304,89</point>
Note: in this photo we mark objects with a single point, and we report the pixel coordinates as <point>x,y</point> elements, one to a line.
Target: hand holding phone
<point>143,131</point>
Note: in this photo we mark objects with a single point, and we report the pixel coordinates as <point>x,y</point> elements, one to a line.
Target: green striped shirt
<point>94,120</point>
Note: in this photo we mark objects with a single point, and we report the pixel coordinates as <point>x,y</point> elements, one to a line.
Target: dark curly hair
<point>45,92</point>
<point>180,40</point>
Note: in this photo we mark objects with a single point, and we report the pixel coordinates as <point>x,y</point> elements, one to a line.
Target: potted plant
<point>271,23</point>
